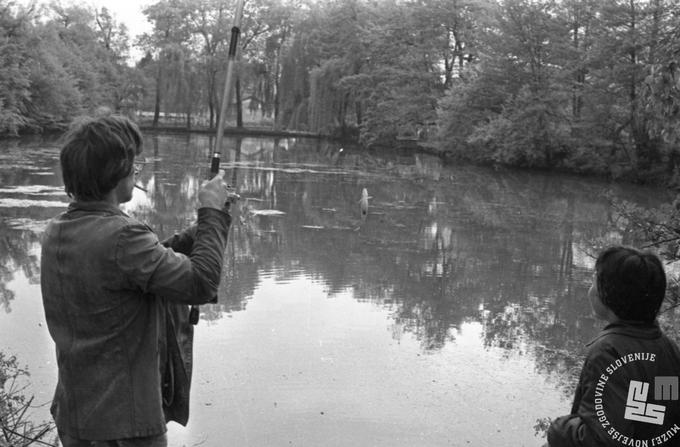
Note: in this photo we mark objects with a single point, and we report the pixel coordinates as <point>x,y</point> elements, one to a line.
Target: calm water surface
<point>454,314</point>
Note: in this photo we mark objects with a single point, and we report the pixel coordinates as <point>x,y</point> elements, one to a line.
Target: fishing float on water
<point>363,203</point>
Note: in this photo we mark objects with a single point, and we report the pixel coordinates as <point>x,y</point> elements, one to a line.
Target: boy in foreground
<point>628,390</point>
<point>108,284</point>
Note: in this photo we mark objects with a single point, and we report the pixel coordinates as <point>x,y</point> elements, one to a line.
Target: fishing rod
<point>226,98</point>
<point>229,78</point>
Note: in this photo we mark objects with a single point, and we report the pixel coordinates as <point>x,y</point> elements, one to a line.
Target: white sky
<point>128,12</point>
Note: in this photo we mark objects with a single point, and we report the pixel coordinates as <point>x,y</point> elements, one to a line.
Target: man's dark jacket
<point>107,283</point>
<point>585,426</point>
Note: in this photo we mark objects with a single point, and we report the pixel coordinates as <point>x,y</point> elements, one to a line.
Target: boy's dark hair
<point>632,283</point>
<point>96,154</point>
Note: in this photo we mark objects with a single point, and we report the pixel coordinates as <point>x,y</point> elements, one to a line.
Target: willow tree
<point>400,75</point>
<point>327,100</point>
<point>294,85</point>
<point>330,41</point>
<point>209,22</point>
<point>367,68</point>
<point>282,20</point>
<point>14,71</point>
<point>163,44</point>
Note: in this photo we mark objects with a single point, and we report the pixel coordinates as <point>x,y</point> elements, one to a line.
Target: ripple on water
<point>280,274</point>
<point>26,203</point>
<point>34,189</point>
<point>26,224</point>
<point>296,168</point>
<point>23,167</point>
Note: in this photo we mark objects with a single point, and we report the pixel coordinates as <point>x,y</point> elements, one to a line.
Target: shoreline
<point>246,131</point>
<point>410,145</point>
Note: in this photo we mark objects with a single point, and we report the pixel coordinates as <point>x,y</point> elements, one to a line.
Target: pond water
<point>454,313</point>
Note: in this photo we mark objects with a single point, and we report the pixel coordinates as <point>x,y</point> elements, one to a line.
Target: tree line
<point>582,85</point>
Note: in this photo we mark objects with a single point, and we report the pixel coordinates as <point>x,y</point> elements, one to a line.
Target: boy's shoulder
<point>621,339</point>
<point>627,331</point>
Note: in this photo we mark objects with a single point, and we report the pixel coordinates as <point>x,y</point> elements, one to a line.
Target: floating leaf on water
<point>267,212</point>
<point>321,227</point>
<point>399,205</point>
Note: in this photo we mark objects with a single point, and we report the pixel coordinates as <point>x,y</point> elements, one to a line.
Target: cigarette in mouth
<point>139,187</point>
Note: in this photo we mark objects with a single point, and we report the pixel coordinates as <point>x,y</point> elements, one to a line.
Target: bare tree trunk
<point>214,114</point>
<point>276,91</point>
<point>239,103</point>
<point>277,79</point>
<point>359,112</point>
<point>576,92</point>
<point>157,106</point>
<point>632,90</point>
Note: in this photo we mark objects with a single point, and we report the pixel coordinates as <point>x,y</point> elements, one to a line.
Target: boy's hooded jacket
<point>621,353</point>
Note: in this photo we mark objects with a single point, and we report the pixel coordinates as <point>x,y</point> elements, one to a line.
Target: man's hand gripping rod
<point>214,170</point>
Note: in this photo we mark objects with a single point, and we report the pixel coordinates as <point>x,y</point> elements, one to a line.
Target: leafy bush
<point>16,429</point>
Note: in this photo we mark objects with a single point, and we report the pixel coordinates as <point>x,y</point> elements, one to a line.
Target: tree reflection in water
<point>30,193</point>
<point>442,245</point>
<point>18,253</point>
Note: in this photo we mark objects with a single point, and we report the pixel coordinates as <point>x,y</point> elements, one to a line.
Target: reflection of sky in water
<point>326,371</point>
<point>24,203</point>
<point>301,367</point>
<point>38,196</point>
<point>23,333</point>
<point>34,189</point>
<point>140,199</point>
<point>455,312</point>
